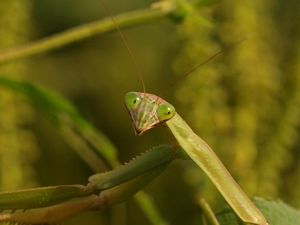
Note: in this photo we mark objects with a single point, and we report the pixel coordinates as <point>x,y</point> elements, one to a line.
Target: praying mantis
<point>57,203</point>
<point>148,110</point>
<point>54,204</point>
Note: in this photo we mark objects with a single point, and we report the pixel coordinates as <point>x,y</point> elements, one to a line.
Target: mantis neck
<point>207,160</point>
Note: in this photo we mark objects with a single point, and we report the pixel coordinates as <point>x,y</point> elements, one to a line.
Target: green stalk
<point>83,32</point>
<point>208,213</point>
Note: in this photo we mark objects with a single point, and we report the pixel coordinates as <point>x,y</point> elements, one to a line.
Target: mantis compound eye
<point>165,112</point>
<point>132,99</point>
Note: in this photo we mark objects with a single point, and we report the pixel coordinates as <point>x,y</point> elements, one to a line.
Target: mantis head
<point>147,110</point>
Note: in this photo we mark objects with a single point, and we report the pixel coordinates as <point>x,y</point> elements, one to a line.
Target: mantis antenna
<point>211,58</point>
<point>136,64</point>
<point>125,42</point>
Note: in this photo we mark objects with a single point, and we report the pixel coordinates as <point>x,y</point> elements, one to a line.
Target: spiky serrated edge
<point>146,161</point>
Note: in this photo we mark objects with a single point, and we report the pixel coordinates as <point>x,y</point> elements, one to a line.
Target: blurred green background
<point>245,104</point>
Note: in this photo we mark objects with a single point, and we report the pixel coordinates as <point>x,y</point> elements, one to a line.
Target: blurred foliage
<point>245,103</point>
<point>17,144</point>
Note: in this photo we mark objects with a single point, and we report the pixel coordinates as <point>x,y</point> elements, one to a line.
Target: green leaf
<point>276,213</point>
<point>67,118</point>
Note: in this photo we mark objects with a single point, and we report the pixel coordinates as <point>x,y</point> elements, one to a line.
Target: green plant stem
<point>83,32</point>
<point>147,204</point>
<point>207,211</point>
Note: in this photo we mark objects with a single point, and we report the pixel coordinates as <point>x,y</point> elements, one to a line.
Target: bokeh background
<point>245,104</point>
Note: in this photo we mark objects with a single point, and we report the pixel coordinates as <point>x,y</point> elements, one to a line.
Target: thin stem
<point>83,32</point>
<point>207,211</point>
<point>146,203</point>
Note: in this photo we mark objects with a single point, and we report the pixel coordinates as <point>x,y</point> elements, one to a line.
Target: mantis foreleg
<point>56,203</point>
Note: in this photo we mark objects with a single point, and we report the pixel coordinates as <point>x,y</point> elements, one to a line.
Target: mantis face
<point>147,110</point>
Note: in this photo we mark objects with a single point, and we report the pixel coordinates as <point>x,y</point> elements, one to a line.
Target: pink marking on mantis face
<point>147,110</point>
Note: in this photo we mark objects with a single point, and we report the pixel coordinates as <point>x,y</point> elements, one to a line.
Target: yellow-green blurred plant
<point>242,104</point>
<point>17,145</point>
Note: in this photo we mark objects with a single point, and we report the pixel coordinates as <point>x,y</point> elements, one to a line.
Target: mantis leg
<point>56,203</point>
